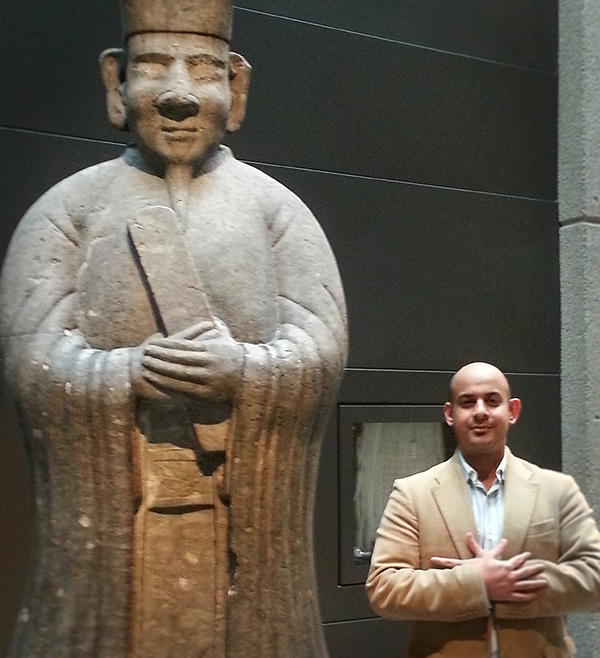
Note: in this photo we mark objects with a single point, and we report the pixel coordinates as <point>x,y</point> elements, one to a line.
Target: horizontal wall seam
<point>402,182</point>
<point>508,373</point>
<point>552,74</point>
<point>45,133</point>
<point>255,163</point>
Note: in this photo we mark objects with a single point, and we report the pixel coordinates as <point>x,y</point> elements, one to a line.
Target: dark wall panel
<point>369,638</point>
<point>14,520</point>
<point>50,68</point>
<point>509,31</point>
<point>381,115</point>
<point>415,259</point>
<point>346,103</point>
<point>322,99</point>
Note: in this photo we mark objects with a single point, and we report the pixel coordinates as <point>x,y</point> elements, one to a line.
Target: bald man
<point>485,552</point>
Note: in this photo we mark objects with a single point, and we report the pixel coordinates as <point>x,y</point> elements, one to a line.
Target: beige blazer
<point>430,513</point>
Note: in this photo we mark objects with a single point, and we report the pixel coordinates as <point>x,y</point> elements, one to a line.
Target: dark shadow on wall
<point>15,510</point>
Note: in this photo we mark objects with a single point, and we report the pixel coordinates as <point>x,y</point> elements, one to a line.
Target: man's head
<point>179,89</point>
<point>481,410</point>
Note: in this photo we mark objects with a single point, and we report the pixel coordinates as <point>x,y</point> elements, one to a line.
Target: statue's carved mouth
<point>179,129</point>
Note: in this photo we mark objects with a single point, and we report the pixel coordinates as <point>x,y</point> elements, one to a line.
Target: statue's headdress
<point>207,17</point>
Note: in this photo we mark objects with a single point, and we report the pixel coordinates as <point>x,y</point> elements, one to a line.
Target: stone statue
<point>173,332</point>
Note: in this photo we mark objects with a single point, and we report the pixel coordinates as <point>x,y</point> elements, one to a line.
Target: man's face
<point>480,410</point>
<point>176,94</point>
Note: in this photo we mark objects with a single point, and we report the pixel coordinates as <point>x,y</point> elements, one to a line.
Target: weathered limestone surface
<point>579,210</point>
<point>173,331</point>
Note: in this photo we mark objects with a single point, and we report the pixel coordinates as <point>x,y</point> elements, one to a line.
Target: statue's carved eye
<point>206,67</point>
<point>151,65</point>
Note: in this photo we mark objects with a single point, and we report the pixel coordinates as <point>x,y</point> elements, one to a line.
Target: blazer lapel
<point>520,494</point>
<point>454,502</point>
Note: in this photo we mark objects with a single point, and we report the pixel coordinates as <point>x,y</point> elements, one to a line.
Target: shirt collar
<point>471,474</point>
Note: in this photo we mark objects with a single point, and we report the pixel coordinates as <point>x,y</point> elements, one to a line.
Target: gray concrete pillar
<point>579,213</point>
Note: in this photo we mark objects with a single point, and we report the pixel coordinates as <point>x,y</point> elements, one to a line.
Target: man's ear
<point>514,409</point>
<point>239,80</point>
<point>448,414</point>
<point>111,67</point>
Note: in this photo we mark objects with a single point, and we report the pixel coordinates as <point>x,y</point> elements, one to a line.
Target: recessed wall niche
<point>377,444</point>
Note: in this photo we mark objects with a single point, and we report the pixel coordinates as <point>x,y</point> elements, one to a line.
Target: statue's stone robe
<point>74,305</point>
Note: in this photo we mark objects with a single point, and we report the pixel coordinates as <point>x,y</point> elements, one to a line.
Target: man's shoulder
<point>531,471</point>
<point>429,476</point>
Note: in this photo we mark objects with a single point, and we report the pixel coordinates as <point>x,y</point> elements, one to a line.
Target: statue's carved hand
<point>141,386</point>
<point>203,361</point>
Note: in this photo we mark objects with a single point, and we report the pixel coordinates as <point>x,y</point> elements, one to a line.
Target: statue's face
<point>176,94</point>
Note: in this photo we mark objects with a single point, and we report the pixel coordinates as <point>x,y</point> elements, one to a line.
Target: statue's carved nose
<point>176,106</point>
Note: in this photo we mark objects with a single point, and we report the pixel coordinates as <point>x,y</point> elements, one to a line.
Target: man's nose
<point>480,408</point>
<point>178,102</point>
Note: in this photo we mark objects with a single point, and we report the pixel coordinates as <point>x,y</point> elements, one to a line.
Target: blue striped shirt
<point>488,509</point>
<point>488,506</point>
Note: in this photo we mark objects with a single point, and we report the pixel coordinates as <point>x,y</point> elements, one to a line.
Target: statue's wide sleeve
<point>289,385</point>
<point>75,408</point>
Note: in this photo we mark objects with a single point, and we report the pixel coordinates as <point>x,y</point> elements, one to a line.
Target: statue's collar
<point>133,157</point>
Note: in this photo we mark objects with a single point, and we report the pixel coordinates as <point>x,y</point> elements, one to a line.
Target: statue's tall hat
<point>207,17</point>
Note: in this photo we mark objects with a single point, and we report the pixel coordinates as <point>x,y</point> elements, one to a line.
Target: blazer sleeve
<point>574,578</point>
<point>397,586</point>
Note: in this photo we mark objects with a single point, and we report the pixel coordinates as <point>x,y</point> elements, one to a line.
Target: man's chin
<point>481,442</point>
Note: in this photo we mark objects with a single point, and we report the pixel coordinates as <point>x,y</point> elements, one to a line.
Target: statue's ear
<point>111,67</point>
<point>239,80</point>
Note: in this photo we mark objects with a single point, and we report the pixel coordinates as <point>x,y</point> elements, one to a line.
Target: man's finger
<point>527,573</point>
<point>521,597</point>
<point>473,545</point>
<point>444,562</point>
<point>532,585</point>
<point>517,561</point>
<point>498,549</point>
